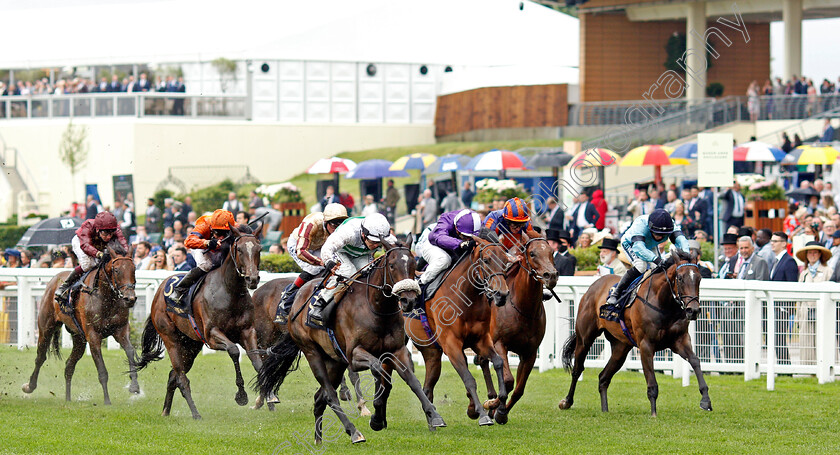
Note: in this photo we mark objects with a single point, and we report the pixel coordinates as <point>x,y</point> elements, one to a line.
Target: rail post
<point>25,313</point>
<point>826,323</point>
<point>752,335</point>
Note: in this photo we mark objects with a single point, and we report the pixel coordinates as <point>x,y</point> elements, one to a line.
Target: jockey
<point>453,231</point>
<point>89,244</point>
<point>352,246</point>
<point>641,243</point>
<point>509,222</point>
<point>304,246</point>
<point>208,234</point>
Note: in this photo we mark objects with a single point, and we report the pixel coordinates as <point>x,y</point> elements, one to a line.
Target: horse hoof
<point>27,389</point>
<point>485,421</point>
<point>501,417</point>
<point>364,411</point>
<point>197,416</point>
<point>491,404</point>
<point>472,413</point>
<point>706,406</point>
<point>344,395</point>
<point>272,399</point>
<point>107,403</point>
<point>565,404</point>
<point>376,425</point>
<point>134,388</point>
<point>437,422</point>
<point>357,438</point>
<point>241,398</point>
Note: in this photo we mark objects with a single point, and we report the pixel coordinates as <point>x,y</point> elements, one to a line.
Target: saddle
<point>184,310</point>
<point>69,307</point>
<point>615,313</point>
<point>343,287</point>
<point>434,285</point>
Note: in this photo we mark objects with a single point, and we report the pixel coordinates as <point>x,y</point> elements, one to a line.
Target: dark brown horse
<point>459,318</point>
<point>519,326</point>
<point>224,316</point>
<point>369,335</point>
<point>265,301</point>
<point>658,319</point>
<point>102,310</point>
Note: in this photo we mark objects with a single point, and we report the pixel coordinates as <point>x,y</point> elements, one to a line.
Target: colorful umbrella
<point>496,160</point>
<point>595,158</point>
<point>758,151</point>
<point>811,154</point>
<point>677,161</point>
<point>649,155</point>
<point>374,169</point>
<point>413,161</point>
<point>448,163</point>
<point>687,151</point>
<point>331,166</point>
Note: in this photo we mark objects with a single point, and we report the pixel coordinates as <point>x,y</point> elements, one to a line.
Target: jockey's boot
<point>63,291</point>
<point>184,286</point>
<point>316,311</point>
<point>286,301</point>
<point>628,278</point>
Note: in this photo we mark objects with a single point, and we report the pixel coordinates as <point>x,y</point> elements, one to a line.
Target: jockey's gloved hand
<point>213,244</point>
<point>658,261</point>
<point>466,244</point>
<point>99,255</point>
<point>329,265</point>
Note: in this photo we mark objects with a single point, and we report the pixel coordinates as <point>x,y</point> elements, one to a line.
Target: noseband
<point>679,297</point>
<point>532,271</point>
<point>233,253</point>
<point>110,279</point>
<point>485,278</point>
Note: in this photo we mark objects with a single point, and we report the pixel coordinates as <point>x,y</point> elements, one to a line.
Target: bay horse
<point>266,299</point>
<point>459,318</point>
<point>665,304</point>
<point>224,316</point>
<point>519,326</point>
<point>101,310</point>
<point>368,335</point>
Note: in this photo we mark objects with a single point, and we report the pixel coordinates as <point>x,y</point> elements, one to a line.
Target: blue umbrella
<point>374,169</point>
<point>448,163</point>
<point>687,151</point>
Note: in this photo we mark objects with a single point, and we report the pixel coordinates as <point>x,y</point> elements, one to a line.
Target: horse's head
<point>538,261</point>
<point>489,261</point>
<point>399,269</point>
<point>119,272</point>
<point>245,253</point>
<point>685,276</point>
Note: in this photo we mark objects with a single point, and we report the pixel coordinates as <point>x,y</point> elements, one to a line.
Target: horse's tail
<point>54,340</point>
<point>152,346</point>
<point>569,352</point>
<point>281,359</point>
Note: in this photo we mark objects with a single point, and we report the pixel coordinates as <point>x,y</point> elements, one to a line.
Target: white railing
<point>734,334</point>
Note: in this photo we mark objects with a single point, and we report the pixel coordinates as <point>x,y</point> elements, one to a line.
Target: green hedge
<point>278,263</point>
<point>587,258</point>
<point>10,235</point>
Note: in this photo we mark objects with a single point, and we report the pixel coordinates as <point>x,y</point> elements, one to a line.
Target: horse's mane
<point>488,235</point>
<point>683,256</point>
<point>115,246</point>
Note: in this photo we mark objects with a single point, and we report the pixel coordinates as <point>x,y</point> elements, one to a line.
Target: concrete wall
<point>147,148</point>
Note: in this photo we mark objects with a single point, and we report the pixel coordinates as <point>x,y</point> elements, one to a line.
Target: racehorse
<point>368,335</point>
<point>265,301</point>
<point>519,326</point>
<point>223,314</point>
<point>667,301</point>
<point>459,317</point>
<point>101,310</point>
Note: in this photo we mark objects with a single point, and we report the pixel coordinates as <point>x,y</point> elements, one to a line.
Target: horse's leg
<point>682,346</point>
<point>485,348</point>
<point>320,406</point>
<point>647,351</point>
<point>188,353</point>
<point>171,385</point>
<point>70,366</point>
<point>95,343</point>
<point>344,391</point>
<point>361,404</point>
<point>508,378</point>
<point>401,360</point>
<point>454,349</point>
<point>432,359</point>
<point>321,370</point>
<point>484,362</point>
<point>582,345</point>
<point>45,335</point>
<point>250,341</point>
<point>619,355</point>
<point>218,341</point>
<point>122,337</point>
<point>364,360</point>
<point>523,371</point>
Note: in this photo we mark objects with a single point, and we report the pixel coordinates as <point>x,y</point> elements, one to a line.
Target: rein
<point>678,297</point>
<point>109,278</point>
<point>532,272</point>
<point>386,289</point>
<point>234,254</point>
<point>485,280</point>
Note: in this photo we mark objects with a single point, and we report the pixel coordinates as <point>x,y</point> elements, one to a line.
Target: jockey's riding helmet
<point>516,210</point>
<point>105,221</point>
<point>467,222</point>
<point>375,227</point>
<point>334,211</point>
<point>660,222</point>
<point>221,220</point>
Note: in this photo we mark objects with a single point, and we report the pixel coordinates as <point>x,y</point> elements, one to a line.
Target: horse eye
<point>533,255</point>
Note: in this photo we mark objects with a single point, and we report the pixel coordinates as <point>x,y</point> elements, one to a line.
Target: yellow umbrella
<point>649,155</point>
<point>811,154</point>
<point>414,161</point>
<point>595,158</point>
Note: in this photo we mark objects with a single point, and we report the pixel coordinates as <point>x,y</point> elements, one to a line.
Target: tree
<point>227,72</point>
<point>73,150</point>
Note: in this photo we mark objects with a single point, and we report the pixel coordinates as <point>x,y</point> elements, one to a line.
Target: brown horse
<point>658,319</point>
<point>459,318</point>
<point>224,316</point>
<point>368,335</point>
<point>101,310</point>
<point>265,301</point>
<point>519,326</point>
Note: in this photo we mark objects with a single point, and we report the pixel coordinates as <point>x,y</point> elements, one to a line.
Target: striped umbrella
<point>595,158</point>
<point>677,161</point>
<point>649,155</point>
<point>331,166</point>
<point>413,161</point>
<point>811,154</point>
<point>374,169</point>
<point>687,151</point>
<point>448,163</point>
<point>758,151</point>
<point>496,160</point>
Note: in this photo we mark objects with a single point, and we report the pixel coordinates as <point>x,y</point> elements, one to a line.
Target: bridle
<point>679,297</point>
<point>233,252</point>
<point>529,267</point>
<point>110,279</point>
<point>485,278</point>
<point>386,288</point>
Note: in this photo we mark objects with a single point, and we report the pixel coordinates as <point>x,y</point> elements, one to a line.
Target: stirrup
<point>281,318</point>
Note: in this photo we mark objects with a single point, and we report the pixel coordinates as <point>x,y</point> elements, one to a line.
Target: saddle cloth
<point>615,313</point>
<point>169,286</point>
<point>69,307</point>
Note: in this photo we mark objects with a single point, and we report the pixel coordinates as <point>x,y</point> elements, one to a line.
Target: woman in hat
<point>610,263</point>
<point>815,256</point>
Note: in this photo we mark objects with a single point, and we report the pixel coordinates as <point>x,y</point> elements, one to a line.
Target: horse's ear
<point>258,230</point>
<point>409,240</point>
<point>234,230</point>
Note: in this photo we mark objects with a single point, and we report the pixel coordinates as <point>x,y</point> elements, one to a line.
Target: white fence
<point>734,334</point>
